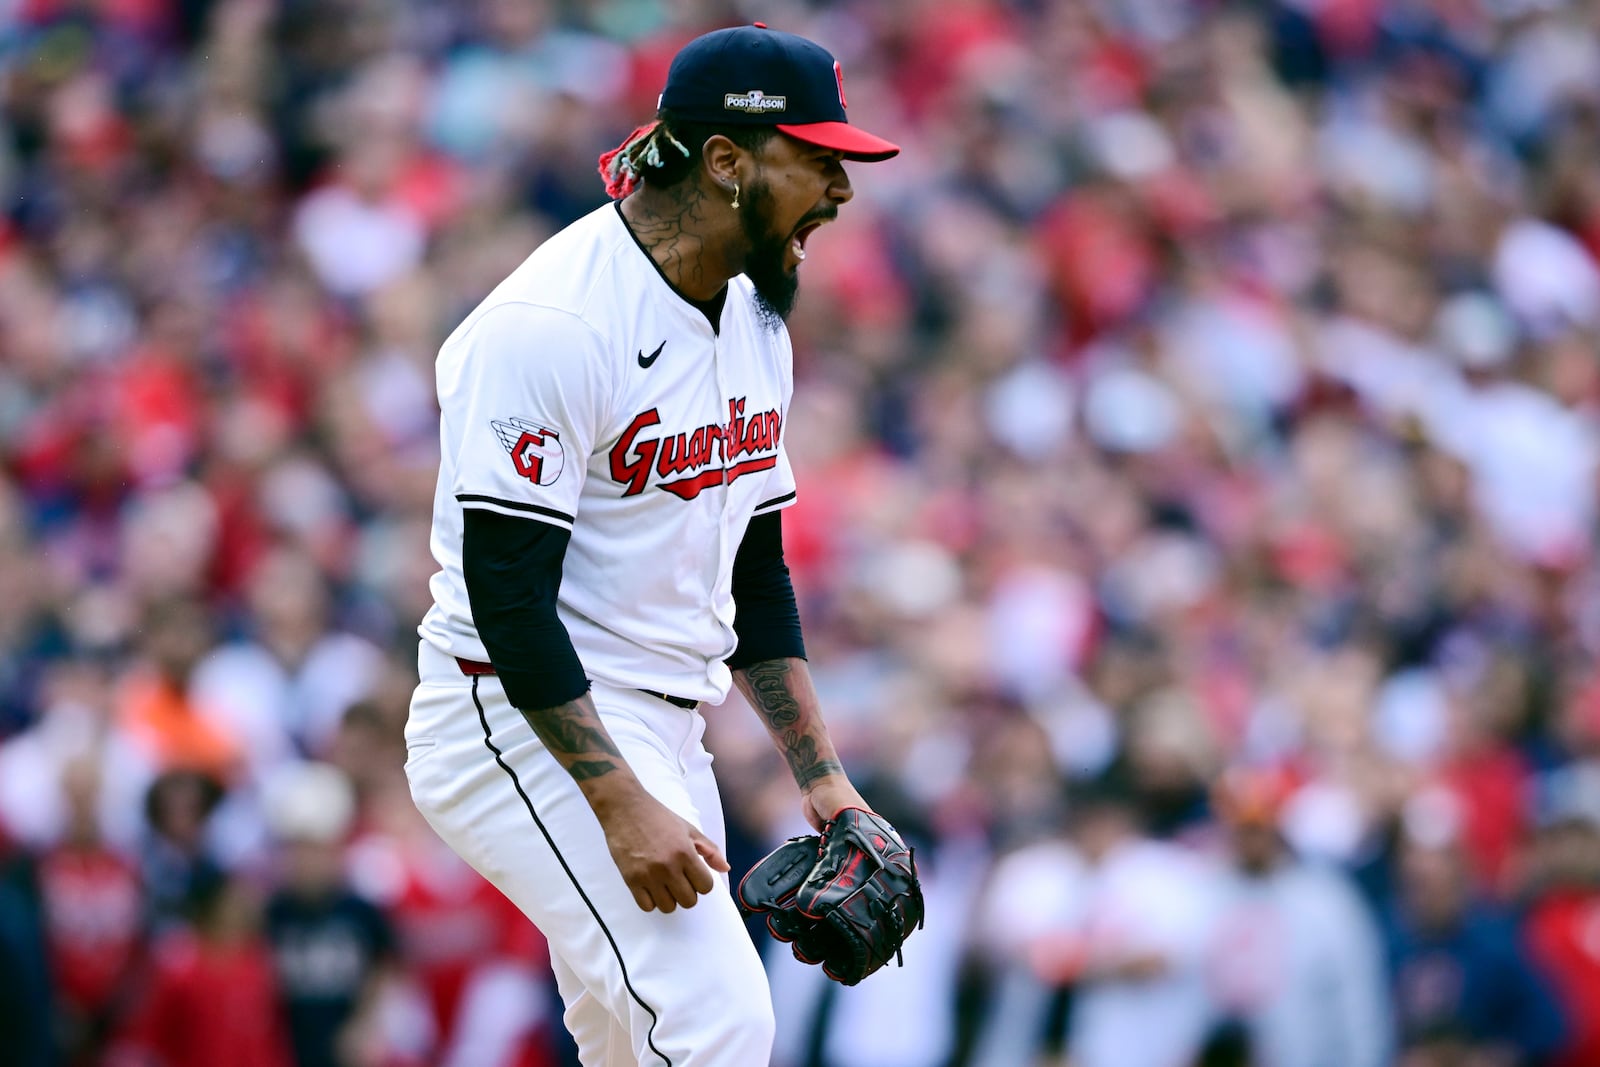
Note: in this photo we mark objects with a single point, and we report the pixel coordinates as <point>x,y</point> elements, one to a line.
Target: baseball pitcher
<point>608,529</point>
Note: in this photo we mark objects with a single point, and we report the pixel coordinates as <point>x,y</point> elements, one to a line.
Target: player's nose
<point>839,190</point>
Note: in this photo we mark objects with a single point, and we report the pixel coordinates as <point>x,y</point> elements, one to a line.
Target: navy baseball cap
<point>755,76</point>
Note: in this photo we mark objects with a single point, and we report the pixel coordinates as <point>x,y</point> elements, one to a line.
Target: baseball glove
<point>847,899</point>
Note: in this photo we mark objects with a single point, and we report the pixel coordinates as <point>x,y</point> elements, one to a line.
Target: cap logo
<point>838,77</point>
<point>755,100</point>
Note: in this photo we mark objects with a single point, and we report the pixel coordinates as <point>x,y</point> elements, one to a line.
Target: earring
<point>735,204</point>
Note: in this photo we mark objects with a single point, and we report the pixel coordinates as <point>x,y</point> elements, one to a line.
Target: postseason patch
<point>755,100</point>
<point>535,450</point>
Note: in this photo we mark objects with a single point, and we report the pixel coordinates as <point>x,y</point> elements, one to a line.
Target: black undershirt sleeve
<point>766,617</point>
<point>512,568</point>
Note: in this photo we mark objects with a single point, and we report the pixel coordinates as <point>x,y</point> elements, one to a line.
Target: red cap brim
<point>854,142</point>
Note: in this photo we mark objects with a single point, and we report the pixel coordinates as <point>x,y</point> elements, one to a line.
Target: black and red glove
<point>847,899</point>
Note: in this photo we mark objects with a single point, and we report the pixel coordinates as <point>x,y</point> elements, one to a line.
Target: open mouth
<point>797,243</point>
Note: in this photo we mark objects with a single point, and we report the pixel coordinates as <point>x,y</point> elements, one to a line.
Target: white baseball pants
<point>641,989</point>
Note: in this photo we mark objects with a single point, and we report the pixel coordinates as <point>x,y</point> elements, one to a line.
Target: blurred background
<point>1196,430</point>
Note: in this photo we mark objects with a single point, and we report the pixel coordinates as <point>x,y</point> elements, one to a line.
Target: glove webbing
<point>881,908</point>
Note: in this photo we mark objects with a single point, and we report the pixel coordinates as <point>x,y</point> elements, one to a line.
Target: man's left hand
<point>827,797</point>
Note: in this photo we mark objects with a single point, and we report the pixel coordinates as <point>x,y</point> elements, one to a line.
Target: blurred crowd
<point>1198,438</point>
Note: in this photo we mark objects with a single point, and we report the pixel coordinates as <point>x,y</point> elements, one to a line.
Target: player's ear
<point>722,160</point>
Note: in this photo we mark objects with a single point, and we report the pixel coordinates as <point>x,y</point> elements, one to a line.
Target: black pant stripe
<point>517,784</point>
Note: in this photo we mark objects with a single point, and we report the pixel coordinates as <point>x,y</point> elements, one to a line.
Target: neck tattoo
<point>668,225</point>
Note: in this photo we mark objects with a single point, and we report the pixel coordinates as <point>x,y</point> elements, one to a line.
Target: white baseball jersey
<point>585,392</point>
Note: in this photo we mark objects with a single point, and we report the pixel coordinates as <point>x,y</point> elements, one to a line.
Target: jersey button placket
<point>724,570</point>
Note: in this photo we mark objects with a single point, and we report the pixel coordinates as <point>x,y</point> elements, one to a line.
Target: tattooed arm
<point>512,568</point>
<point>578,740</point>
<point>783,697</point>
<point>664,859</point>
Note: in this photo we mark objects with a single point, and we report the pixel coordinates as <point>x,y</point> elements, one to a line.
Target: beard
<point>776,285</point>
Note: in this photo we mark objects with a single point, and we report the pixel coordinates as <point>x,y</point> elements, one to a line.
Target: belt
<point>683,702</point>
<point>472,667</point>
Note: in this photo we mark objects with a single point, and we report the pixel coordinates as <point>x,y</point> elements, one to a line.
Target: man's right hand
<point>663,858</point>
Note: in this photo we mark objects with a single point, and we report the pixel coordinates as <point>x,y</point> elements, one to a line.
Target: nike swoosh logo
<point>645,361</point>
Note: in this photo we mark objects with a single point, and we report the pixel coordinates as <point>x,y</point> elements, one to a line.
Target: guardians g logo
<point>535,450</point>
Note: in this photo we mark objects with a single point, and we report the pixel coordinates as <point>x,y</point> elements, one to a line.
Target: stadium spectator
<point>24,962</point>
<point>210,995</point>
<point>332,949</point>
<point>1463,979</point>
<point>1297,962</point>
<point>94,916</point>
<point>1564,905</point>
<point>1144,916</point>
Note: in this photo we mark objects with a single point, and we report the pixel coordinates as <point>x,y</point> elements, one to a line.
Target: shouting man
<point>607,525</point>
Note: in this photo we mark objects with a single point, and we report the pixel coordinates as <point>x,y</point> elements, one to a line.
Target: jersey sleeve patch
<point>535,450</point>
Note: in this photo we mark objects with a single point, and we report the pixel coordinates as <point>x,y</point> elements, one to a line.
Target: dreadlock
<point>659,154</point>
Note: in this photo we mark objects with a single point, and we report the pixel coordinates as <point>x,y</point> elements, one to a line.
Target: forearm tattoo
<point>771,692</point>
<point>574,735</point>
<point>585,769</point>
